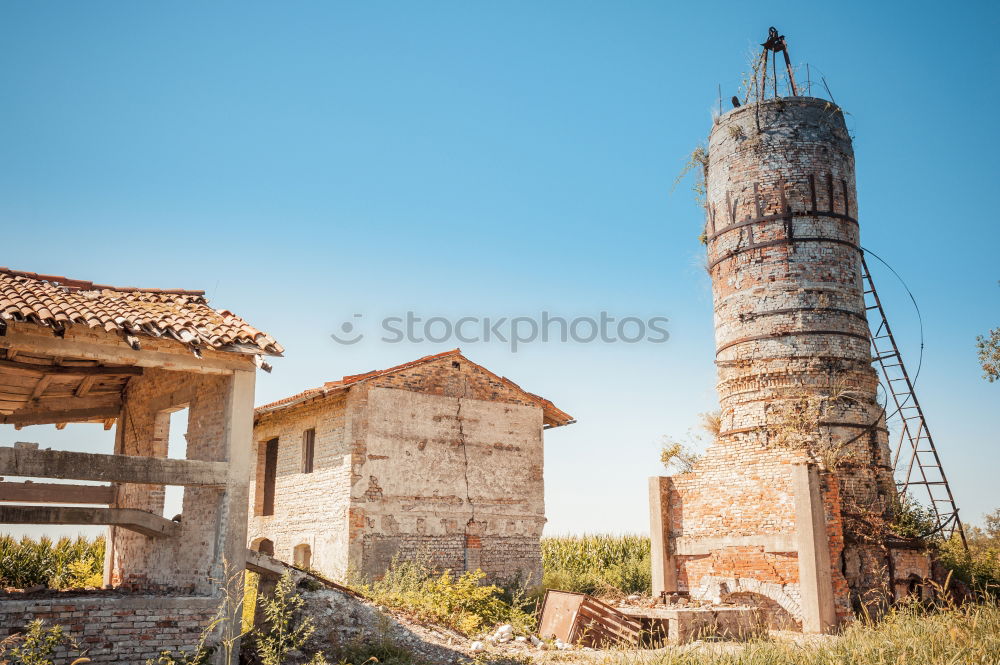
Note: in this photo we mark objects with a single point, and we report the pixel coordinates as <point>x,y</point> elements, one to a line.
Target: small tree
<point>989,354</point>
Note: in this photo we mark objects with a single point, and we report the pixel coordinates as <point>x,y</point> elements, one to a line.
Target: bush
<point>461,602</point>
<point>65,564</point>
<point>36,645</point>
<point>602,565</point>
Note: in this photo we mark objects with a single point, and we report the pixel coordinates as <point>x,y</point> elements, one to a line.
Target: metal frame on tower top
<point>775,43</point>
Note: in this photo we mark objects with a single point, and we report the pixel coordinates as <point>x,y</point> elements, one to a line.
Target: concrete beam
<point>139,521</point>
<point>815,576</point>
<point>664,569</point>
<point>29,492</point>
<point>778,542</point>
<point>68,465</point>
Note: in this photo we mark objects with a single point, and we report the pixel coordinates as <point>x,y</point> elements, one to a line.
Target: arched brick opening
<point>778,618</point>
<point>262,545</point>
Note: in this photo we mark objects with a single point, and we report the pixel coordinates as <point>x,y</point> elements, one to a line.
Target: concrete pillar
<point>664,571</point>
<point>815,578</point>
<point>231,536</point>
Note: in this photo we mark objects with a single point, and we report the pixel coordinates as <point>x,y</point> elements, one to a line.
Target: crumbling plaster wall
<point>441,460</point>
<point>458,479</point>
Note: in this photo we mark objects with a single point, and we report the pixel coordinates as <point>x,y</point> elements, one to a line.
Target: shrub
<point>36,645</point>
<point>461,602</point>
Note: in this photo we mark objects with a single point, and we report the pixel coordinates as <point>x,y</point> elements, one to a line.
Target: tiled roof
<point>185,316</point>
<point>552,413</point>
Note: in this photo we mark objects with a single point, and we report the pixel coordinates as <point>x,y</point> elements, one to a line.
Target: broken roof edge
<point>554,416</point>
<point>172,315</point>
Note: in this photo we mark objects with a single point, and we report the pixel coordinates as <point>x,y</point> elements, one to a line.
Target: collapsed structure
<point>438,458</point>
<point>75,352</point>
<point>790,508</point>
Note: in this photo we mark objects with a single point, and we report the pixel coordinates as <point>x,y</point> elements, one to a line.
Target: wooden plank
<point>85,385</point>
<point>29,492</point>
<point>63,370</point>
<point>63,464</point>
<point>117,351</point>
<point>139,521</point>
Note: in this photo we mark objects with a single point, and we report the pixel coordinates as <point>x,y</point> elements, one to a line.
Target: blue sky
<point>307,161</point>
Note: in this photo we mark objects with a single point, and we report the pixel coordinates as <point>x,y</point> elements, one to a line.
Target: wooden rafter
<point>69,370</point>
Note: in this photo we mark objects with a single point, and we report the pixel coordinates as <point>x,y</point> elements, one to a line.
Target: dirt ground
<point>343,620</point>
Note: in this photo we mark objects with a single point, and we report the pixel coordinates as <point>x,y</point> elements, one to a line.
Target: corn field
<point>63,564</point>
<point>598,564</point>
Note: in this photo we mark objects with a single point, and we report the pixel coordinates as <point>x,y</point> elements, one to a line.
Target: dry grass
<point>965,635</point>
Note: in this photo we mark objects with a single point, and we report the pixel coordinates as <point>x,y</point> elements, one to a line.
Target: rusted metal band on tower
<point>783,241</point>
<point>784,216</point>
<point>794,310</point>
<point>790,333</point>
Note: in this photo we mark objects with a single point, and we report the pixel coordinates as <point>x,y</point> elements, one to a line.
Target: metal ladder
<point>915,458</point>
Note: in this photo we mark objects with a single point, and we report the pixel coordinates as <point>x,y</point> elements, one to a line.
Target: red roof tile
<point>185,316</point>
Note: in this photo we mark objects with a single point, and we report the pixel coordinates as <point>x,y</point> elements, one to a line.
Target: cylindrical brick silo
<point>795,376</point>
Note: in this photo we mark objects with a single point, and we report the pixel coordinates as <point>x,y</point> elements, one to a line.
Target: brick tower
<point>792,347</point>
<point>790,508</point>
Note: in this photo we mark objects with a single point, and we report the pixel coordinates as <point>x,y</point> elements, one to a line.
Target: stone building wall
<point>310,508</point>
<point>115,629</point>
<point>441,460</point>
<point>795,380</point>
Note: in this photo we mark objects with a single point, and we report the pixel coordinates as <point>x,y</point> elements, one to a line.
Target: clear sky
<point>307,161</point>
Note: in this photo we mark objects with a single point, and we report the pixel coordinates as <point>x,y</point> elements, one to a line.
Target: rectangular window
<point>270,472</point>
<point>308,450</point>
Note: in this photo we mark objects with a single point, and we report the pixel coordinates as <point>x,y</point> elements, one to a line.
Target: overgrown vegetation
<point>979,566</point>
<point>461,602</point>
<point>37,645</point>
<point>680,455</point>
<point>603,565</point>
<point>64,564</point>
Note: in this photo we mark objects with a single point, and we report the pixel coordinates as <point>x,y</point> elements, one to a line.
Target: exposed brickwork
<point>125,630</point>
<point>442,459</point>
<point>790,327</point>
<point>185,563</point>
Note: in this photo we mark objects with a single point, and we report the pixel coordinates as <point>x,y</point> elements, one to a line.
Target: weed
<point>461,602</point>
<point>285,631</point>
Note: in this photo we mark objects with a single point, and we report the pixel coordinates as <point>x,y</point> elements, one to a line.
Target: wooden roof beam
<point>34,369</point>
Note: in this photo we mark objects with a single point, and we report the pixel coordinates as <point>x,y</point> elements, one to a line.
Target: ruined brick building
<point>436,458</point>
<point>125,358</point>
<point>790,507</point>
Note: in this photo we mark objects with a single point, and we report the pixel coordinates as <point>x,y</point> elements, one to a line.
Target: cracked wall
<point>441,461</point>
